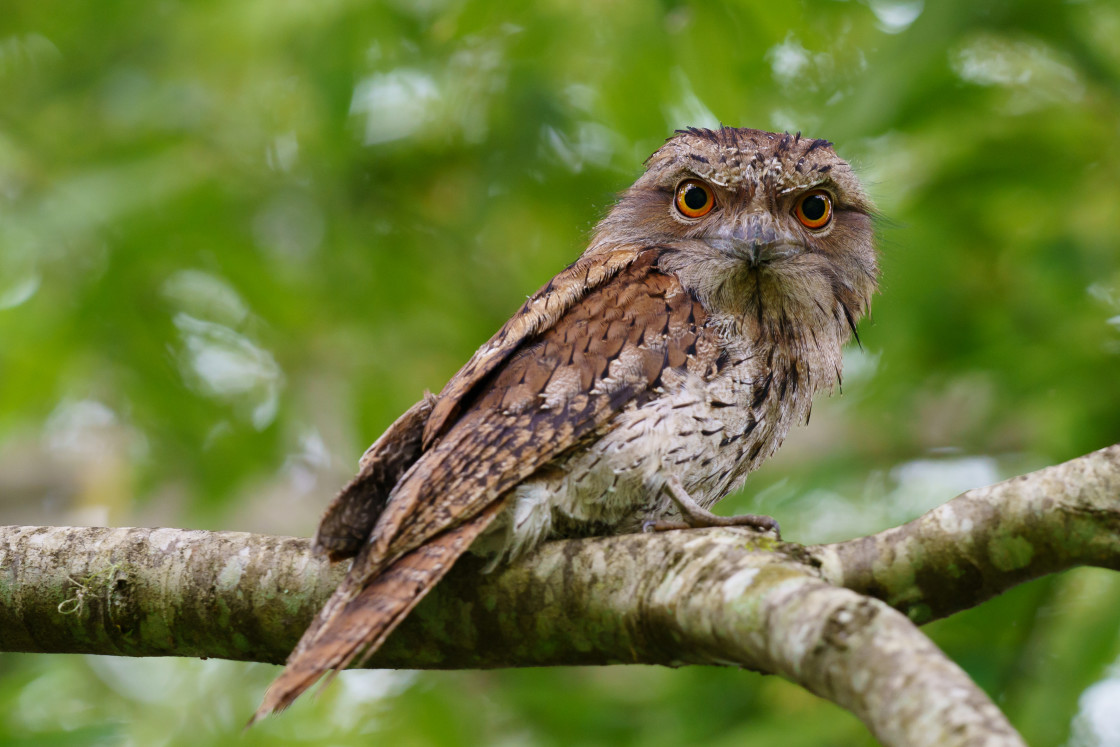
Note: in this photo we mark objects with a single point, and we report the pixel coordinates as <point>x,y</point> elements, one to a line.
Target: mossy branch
<point>827,617</point>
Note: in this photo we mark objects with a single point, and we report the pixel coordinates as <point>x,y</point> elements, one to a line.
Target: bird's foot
<point>754,521</point>
<point>696,516</point>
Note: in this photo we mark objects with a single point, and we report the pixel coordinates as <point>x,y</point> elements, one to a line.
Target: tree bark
<point>832,618</point>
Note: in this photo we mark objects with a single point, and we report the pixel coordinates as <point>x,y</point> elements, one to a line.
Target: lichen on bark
<point>833,618</point>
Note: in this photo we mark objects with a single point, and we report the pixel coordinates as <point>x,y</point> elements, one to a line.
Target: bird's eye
<point>695,198</point>
<point>814,209</point>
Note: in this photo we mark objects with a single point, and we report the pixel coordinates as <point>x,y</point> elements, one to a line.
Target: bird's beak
<point>756,240</point>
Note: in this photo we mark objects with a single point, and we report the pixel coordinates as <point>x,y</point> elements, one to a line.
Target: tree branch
<point>985,541</point>
<point>719,596</point>
<point>704,597</point>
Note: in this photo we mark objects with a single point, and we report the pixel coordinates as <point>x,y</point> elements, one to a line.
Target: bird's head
<point>767,226</point>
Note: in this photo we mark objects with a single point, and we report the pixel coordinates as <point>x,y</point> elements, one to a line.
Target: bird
<point>631,392</point>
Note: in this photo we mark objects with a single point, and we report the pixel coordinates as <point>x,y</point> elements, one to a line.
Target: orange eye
<point>814,210</point>
<point>695,198</point>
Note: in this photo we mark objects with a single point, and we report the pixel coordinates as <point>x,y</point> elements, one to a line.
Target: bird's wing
<point>607,352</point>
<point>561,385</point>
<point>540,312</point>
<point>351,516</point>
<point>348,520</point>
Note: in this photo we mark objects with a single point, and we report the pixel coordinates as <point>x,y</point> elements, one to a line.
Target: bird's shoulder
<point>540,312</point>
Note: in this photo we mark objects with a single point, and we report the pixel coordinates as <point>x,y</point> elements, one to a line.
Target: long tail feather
<point>363,623</point>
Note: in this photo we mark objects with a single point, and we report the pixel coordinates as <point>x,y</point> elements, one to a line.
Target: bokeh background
<point>238,238</point>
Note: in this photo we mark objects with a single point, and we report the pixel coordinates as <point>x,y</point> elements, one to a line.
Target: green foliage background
<point>238,238</point>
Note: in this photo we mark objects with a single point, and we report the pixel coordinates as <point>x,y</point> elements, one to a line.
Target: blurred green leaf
<point>236,240</point>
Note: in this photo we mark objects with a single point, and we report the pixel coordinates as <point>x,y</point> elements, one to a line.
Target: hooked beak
<point>755,241</point>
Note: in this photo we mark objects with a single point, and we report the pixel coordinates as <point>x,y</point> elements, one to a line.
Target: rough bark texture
<point>987,540</point>
<point>703,597</point>
<point>156,592</point>
<point>718,596</point>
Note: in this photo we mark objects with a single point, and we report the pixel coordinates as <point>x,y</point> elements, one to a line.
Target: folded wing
<point>513,409</point>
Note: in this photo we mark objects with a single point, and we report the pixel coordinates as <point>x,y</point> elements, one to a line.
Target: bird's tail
<point>355,629</point>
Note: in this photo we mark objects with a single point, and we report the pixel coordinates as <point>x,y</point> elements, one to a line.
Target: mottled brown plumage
<point>639,386</point>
